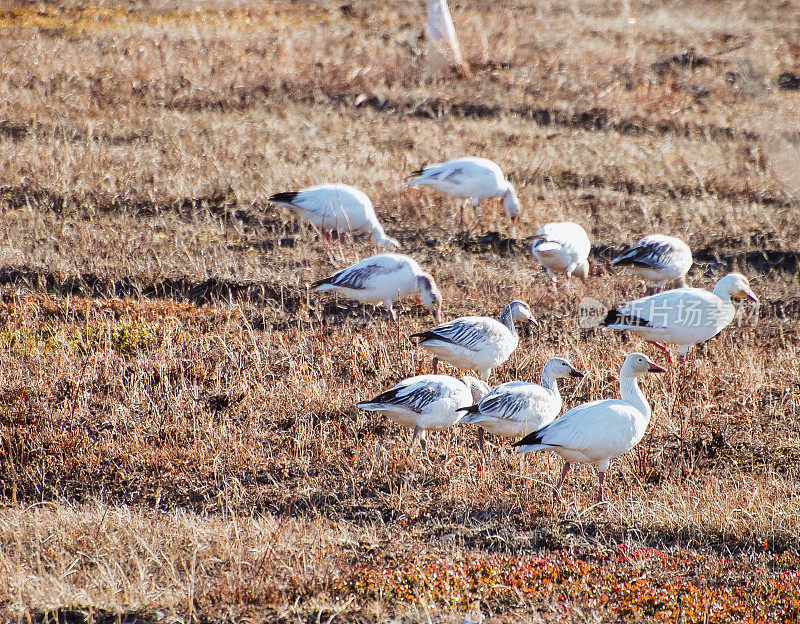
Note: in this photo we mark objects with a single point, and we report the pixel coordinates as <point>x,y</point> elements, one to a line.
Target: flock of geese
<point>591,433</point>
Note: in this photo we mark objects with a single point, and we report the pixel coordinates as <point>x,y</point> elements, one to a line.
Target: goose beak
<point>532,321</point>
<point>751,296</point>
<point>576,373</point>
<point>655,368</point>
<point>438,315</point>
<point>514,218</point>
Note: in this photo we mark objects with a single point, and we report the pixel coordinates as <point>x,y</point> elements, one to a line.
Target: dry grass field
<point>179,436</point>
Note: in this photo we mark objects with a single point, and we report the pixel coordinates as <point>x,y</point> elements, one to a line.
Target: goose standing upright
<point>477,343</point>
<point>597,432</point>
<point>337,207</point>
<point>516,408</point>
<point>683,316</point>
<point>562,247</point>
<point>382,278</point>
<point>472,179</point>
<point>657,259</point>
<point>427,401</point>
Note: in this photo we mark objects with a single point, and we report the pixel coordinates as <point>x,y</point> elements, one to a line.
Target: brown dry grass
<point>180,437</point>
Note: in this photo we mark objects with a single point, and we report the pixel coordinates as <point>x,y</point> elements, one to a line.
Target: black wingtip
<point>615,317</point>
<point>319,283</point>
<point>532,438</point>
<point>286,197</point>
<point>472,409</point>
<point>419,171</point>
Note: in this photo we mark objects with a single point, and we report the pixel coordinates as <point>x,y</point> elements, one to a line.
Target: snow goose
<point>427,401</point>
<point>562,247</point>
<point>476,343</point>
<point>336,207</point>
<point>683,316</point>
<point>597,432</point>
<point>382,278</point>
<point>657,259</point>
<point>471,179</point>
<point>516,408</point>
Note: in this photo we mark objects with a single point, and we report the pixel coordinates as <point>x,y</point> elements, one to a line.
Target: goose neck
<point>631,393</point>
<point>507,319</point>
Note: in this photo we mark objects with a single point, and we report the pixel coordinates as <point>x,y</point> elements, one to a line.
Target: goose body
<point>683,316</point>
<point>476,343</point>
<point>427,401</point>
<point>472,179</point>
<point>516,408</point>
<point>657,260</point>
<point>337,207</point>
<point>597,432</point>
<point>384,278</point>
<point>562,247</point>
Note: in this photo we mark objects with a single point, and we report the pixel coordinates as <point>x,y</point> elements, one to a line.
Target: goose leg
<point>414,438</point>
<point>601,476</point>
<point>435,365</point>
<point>561,478</point>
<point>480,439</point>
<point>665,349</point>
<point>389,307</point>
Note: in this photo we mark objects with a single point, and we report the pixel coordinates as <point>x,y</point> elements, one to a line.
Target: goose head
<point>387,242</point>
<point>734,285</point>
<point>582,270</point>
<point>478,388</point>
<point>520,311</point>
<point>637,364</point>
<point>511,203</point>
<point>430,295</point>
<point>559,368</point>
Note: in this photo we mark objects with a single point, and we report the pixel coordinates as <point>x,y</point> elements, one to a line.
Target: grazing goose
<point>657,259</point>
<point>562,247</point>
<point>382,278</point>
<point>471,179</point>
<point>476,343</point>
<point>684,316</point>
<point>597,432</point>
<point>427,401</point>
<point>336,207</point>
<point>516,408</point>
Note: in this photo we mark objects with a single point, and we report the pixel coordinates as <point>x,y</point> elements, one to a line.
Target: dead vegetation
<point>179,433</point>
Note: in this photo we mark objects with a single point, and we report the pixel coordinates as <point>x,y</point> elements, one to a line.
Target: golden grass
<point>179,433</point>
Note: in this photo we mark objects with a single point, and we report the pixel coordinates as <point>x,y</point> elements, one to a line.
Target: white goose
<point>562,247</point>
<point>657,259</point>
<point>684,316</point>
<point>516,408</point>
<point>471,179</point>
<point>336,207</point>
<point>597,432</point>
<point>427,401</point>
<point>476,343</point>
<point>382,278</point>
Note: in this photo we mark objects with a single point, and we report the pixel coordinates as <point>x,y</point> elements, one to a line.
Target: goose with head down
<point>427,401</point>
<point>384,278</point>
<point>471,179</point>
<point>562,247</point>
<point>597,432</point>
<point>657,260</point>
<point>337,207</point>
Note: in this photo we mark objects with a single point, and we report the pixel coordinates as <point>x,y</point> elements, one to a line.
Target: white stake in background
<point>443,49</point>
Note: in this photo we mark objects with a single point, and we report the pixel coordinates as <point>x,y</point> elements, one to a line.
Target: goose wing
<point>361,274</point>
<point>469,332</point>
